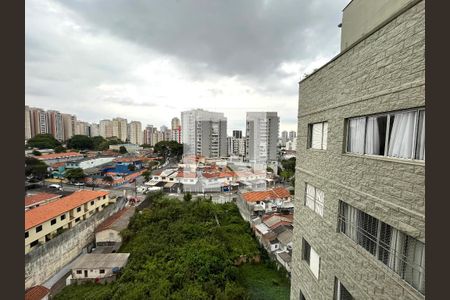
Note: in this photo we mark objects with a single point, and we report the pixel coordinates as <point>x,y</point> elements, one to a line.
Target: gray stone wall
<point>385,72</point>
<point>46,260</point>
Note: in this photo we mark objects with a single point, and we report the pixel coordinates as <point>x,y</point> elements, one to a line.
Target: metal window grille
<point>402,253</point>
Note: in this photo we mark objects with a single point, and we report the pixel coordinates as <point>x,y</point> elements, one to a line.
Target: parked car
<point>78,183</point>
<point>55,186</point>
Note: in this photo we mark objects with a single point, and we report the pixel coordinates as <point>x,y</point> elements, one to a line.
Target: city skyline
<point>76,59</point>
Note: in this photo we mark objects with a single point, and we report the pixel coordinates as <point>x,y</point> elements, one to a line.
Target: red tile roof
<point>128,159</point>
<point>36,292</point>
<point>33,199</point>
<point>276,193</point>
<point>187,175</point>
<point>53,209</point>
<point>58,155</point>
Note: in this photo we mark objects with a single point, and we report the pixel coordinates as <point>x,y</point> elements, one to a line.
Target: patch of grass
<point>264,282</point>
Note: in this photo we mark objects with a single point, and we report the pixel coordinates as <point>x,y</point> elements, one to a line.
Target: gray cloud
<point>82,56</point>
<point>244,38</point>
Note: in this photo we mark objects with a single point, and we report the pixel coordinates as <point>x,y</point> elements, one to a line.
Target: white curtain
<point>319,202</point>
<point>415,266</point>
<point>373,136</point>
<point>357,127</point>
<point>351,221</point>
<point>397,246</point>
<point>314,262</point>
<point>402,133</point>
<point>325,136</point>
<point>420,152</point>
<point>316,141</point>
<point>310,195</point>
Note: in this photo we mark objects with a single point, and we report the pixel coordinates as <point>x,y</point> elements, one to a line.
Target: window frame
<point>39,228</point>
<point>27,234</point>
<point>389,115</point>
<point>337,290</point>
<point>310,136</point>
<point>306,257</point>
<point>315,199</point>
<point>53,222</point>
<point>402,262</point>
<point>63,217</point>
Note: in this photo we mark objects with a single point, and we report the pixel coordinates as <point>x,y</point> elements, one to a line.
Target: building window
<point>34,243</point>
<point>302,297</point>
<point>318,135</point>
<point>104,197</point>
<point>78,209</point>
<point>63,217</point>
<point>53,222</point>
<point>26,234</point>
<point>77,220</point>
<point>92,202</point>
<point>103,205</point>
<point>39,228</point>
<point>314,199</point>
<point>79,272</point>
<point>398,134</point>
<point>102,271</point>
<point>311,257</point>
<point>340,292</point>
<point>402,253</point>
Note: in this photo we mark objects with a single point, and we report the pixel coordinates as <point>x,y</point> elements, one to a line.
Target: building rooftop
<point>285,256</point>
<point>53,209</point>
<point>98,261</point>
<point>117,221</point>
<point>285,237</point>
<point>39,197</point>
<point>58,155</point>
<point>36,292</point>
<point>276,193</point>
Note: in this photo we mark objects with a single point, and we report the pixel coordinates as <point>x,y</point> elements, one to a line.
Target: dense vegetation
<point>43,141</point>
<point>168,149</point>
<point>98,143</point>
<point>36,168</point>
<point>180,250</point>
<point>288,170</point>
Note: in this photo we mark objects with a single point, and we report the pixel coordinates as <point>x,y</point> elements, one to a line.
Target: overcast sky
<point>150,60</point>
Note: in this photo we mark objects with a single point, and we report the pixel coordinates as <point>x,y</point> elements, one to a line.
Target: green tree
<point>269,169</point>
<point>36,153</point>
<point>97,141</point>
<point>122,150</point>
<point>76,174</point>
<point>36,168</point>
<point>43,141</point>
<point>168,149</point>
<point>146,175</point>
<point>60,149</point>
<point>108,179</point>
<point>80,142</point>
<point>187,197</point>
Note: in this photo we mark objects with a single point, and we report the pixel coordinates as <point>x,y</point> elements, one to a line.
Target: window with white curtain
<point>402,253</point>
<point>314,199</point>
<point>318,135</point>
<point>398,134</point>
<point>311,257</point>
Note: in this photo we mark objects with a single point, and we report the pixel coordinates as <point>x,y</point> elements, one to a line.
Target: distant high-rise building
<point>262,135</point>
<point>284,137</point>
<point>236,146</point>
<point>120,128</point>
<point>292,135</point>
<point>148,135</point>
<point>163,128</point>
<point>28,132</point>
<point>39,122</point>
<point>204,133</point>
<point>94,129</point>
<point>81,128</point>
<point>106,128</point>
<point>55,124</point>
<point>175,123</point>
<point>69,123</point>
<point>237,134</point>
<point>136,133</point>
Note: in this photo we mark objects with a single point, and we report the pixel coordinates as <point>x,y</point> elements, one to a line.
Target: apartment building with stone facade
<point>359,225</point>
